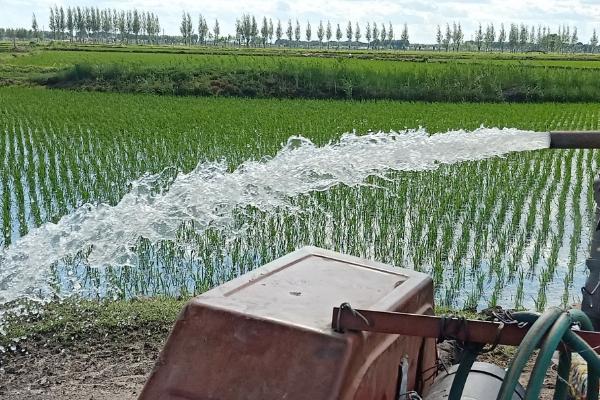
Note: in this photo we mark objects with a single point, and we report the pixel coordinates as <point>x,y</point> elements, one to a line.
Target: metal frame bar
<point>466,330</point>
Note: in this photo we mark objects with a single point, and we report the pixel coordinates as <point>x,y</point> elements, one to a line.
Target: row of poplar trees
<point>514,38</point>
<point>84,23</point>
<point>92,23</point>
<point>247,33</point>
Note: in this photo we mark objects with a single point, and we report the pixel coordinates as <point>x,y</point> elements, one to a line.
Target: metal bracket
<point>429,326</point>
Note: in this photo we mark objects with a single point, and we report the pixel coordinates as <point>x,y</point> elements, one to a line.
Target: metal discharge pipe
<point>591,290</point>
<point>575,140</point>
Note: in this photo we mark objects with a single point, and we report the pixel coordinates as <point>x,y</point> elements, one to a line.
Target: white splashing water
<point>209,195</point>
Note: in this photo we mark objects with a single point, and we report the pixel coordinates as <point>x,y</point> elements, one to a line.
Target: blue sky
<point>421,16</point>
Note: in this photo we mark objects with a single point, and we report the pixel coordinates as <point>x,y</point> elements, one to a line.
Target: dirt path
<point>108,369</point>
<point>113,368</point>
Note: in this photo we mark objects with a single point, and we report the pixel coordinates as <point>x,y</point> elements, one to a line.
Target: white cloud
<point>421,16</point>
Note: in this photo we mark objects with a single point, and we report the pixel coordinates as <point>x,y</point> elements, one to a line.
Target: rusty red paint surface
<point>267,334</point>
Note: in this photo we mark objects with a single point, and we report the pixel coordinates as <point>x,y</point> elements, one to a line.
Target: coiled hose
<point>547,332</point>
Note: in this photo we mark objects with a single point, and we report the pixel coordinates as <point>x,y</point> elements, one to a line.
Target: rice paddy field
<point>162,56</point>
<point>510,231</point>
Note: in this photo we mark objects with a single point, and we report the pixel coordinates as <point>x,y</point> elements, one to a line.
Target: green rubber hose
<point>586,324</point>
<point>580,346</point>
<point>525,349</point>
<point>464,368</point>
<point>565,360</point>
<point>544,358</point>
<point>582,319</point>
<point>551,342</point>
<point>548,329</point>
<point>561,389</point>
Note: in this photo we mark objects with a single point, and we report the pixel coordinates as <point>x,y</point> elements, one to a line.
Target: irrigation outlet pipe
<point>548,331</point>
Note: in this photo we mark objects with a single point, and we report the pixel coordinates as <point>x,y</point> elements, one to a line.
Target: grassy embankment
<point>81,322</point>
<point>319,74</point>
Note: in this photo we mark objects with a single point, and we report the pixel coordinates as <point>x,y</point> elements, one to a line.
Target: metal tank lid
<point>302,287</point>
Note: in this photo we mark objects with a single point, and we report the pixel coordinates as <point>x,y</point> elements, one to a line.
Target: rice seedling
<point>497,231</point>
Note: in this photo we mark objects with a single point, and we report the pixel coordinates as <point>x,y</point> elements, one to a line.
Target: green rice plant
<point>489,232</point>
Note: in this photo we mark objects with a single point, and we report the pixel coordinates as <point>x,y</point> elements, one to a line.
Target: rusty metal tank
<point>267,335</point>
